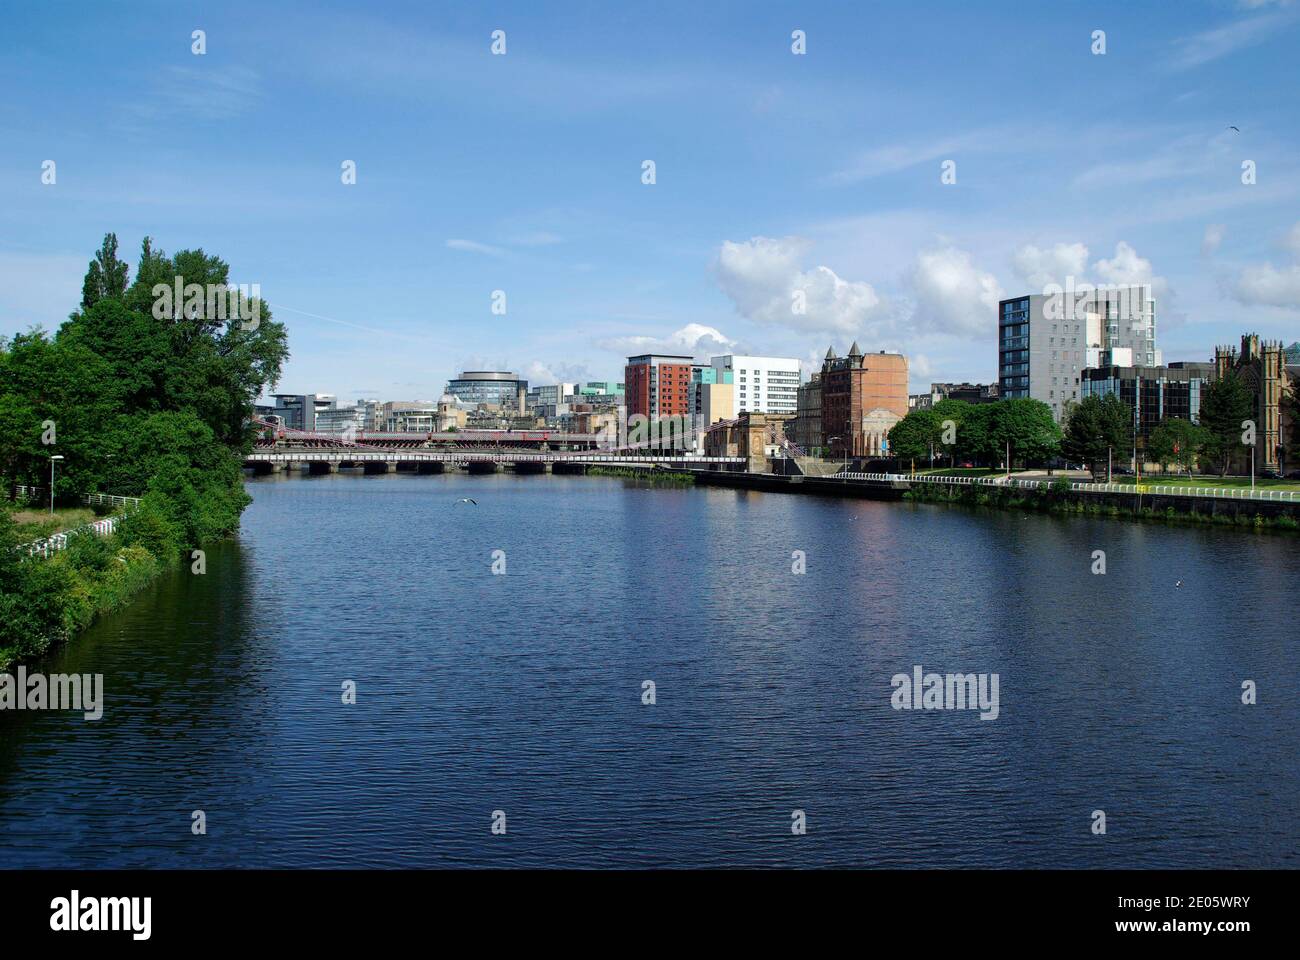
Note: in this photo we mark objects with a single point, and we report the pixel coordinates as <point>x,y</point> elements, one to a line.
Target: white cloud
<point>1125,267</point>
<point>1038,267</point>
<point>1213,238</point>
<point>473,246</point>
<point>952,295</point>
<point>1263,284</point>
<point>694,339</point>
<point>538,372</point>
<point>765,280</point>
<point>901,156</point>
<point>1210,45</point>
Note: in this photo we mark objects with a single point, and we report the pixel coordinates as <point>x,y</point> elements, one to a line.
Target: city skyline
<point>775,173</point>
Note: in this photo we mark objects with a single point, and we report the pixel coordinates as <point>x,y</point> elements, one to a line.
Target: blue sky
<point>775,173</point>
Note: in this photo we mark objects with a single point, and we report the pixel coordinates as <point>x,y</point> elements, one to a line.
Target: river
<point>523,692</point>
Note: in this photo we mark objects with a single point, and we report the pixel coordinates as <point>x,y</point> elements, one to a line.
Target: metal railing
<point>105,526</point>
<point>59,541</point>
<point>1143,489</point>
<point>416,456</point>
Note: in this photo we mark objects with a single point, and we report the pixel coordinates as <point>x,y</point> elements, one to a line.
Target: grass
<point>36,524</point>
<point>1204,481</point>
<point>962,472</point>
<point>633,473</point>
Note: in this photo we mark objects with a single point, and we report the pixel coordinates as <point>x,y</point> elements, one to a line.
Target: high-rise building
<point>658,385</point>
<point>862,397</point>
<point>1046,340</point>
<point>762,384</point>
<point>297,411</point>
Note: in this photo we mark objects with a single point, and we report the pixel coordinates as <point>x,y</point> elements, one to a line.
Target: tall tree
<point>106,277</point>
<point>1226,403</point>
<point>1026,426</point>
<point>1097,427</point>
<point>916,435</point>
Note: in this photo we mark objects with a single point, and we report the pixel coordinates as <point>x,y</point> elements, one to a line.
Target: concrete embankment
<point>1232,510</point>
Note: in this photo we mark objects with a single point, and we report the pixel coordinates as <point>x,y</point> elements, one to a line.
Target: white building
<point>762,384</point>
<point>1046,340</point>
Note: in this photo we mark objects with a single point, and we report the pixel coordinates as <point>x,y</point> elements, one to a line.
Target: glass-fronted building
<point>1152,393</point>
<point>497,388</point>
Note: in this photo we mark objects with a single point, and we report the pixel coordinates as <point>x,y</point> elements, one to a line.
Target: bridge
<point>371,460</point>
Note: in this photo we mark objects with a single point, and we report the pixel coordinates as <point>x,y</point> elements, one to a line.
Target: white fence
<point>101,528</point>
<point>1144,489</point>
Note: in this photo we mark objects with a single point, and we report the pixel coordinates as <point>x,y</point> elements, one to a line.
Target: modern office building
<point>341,420</point>
<point>658,385</point>
<point>297,411</point>
<point>1046,340</point>
<point>498,389</point>
<point>862,397</point>
<point>1152,393</point>
<point>550,395</point>
<point>762,384</point>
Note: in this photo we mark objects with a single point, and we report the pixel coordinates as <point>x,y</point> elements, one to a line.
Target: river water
<point>522,692</point>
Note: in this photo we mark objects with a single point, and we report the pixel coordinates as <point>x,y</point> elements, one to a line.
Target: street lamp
<point>57,456</point>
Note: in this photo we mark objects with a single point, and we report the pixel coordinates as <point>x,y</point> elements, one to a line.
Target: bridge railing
<point>1144,489</point>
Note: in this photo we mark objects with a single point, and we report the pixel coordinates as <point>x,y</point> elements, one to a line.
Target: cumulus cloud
<point>538,372</point>
<point>952,295</point>
<point>1038,267</point>
<point>1125,267</point>
<point>694,339</point>
<point>1212,239</point>
<point>1263,284</point>
<point>765,279</point>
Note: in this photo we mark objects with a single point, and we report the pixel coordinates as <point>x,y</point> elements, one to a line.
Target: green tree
<point>106,276</point>
<point>1225,404</point>
<point>913,437</point>
<point>1027,426</point>
<point>970,428</point>
<point>1098,427</point>
<point>1176,441</point>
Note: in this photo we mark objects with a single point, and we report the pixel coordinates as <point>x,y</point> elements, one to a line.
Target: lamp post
<point>53,457</point>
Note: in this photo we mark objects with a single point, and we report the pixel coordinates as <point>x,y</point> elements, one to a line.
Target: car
<point>1124,471</point>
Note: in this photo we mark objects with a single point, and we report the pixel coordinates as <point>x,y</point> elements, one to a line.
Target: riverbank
<point>674,477</point>
<point>1060,497</point>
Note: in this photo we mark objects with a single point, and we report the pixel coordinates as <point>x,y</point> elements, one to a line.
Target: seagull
<point>467,500</point>
<point>1231,127</point>
<point>1178,584</point>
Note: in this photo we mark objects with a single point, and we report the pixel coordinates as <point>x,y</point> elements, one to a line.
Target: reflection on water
<point>522,692</point>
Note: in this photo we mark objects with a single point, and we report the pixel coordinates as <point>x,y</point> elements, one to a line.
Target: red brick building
<point>658,385</point>
<point>862,396</point>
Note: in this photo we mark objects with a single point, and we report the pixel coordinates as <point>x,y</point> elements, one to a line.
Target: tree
<point>1097,426</point>
<point>106,276</point>
<point>1027,426</point>
<point>1177,441</point>
<point>911,438</point>
<point>970,423</point>
<point>1226,403</point>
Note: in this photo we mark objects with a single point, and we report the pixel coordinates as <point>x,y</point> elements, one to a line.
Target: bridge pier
<point>377,466</point>
<point>317,467</point>
<point>528,466</point>
<point>430,466</point>
<point>483,466</point>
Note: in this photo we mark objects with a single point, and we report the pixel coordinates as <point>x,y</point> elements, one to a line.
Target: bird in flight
<point>1231,127</point>
<point>468,500</point>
